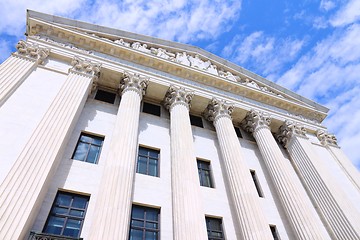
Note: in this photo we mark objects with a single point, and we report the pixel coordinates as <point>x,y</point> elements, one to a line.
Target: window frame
<point>148,157</point>
<point>201,172</point>
<point>150,103</point>
<point>67,216</point>
<point>89,147</point>
<point>193,118</point>
<point>105,91</point>
<point>143,228</point>
<point>209,230</point>
<point>256,183</point>
<point>274,232</point>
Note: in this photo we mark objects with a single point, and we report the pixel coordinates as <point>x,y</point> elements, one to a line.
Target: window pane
<point>151,225</point>
<point>143,151</point>
<point>77,213</point>
<point>137,212</point>
<point>151,235</point>
<point>54,225</point>
<point>152,214</point>
<point>80,202</point>
<point>154,154</point>
<point>153,167</point>
<point>137,223</point>
<point>93,154</point>
<point>85,138</point>
<point>97,141</point>
<point>142,165</point>
<point>72,228</point>
<point>136,234</point>
<point>63,200</point>
<point>81,151</point>
<point>207,179</point>
<point>59,210</point>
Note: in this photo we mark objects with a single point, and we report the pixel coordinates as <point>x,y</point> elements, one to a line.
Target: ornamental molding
<point>288,130</point>
<point>31,51</point>
<point>326,138</point>
<point>218,108</point>
<point>255,120</point>
<point>134,82</point>
<point>85,67</point>
<point>177,95</point>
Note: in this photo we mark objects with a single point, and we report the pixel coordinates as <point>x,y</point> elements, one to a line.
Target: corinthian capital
<point>177,95</point>
<point>31,51</point>
<point>326,138</point>
<point>288,130</point>
<point>255,120</point>
<point>218,108</point>
<point>85,67</point>
<point>134,82</point>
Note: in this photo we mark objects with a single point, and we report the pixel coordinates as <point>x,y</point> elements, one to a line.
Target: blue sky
<point>310,47</point>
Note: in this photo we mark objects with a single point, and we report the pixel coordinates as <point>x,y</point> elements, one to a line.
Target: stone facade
<point>273,167</point>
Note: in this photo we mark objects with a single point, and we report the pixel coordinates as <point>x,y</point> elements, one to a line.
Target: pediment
<point>175,58</point>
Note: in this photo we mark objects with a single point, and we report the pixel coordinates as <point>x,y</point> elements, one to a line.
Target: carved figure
<point>122,42</point>
<point>182,58</point>
<point>197,62</point>
<point>212,69</point>
<point>160,52</point>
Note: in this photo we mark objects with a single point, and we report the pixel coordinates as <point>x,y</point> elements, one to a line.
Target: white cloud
<point>348,14</point>
<point>327,5</point>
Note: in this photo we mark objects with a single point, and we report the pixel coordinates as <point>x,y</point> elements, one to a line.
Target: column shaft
<point>113,207</point>
<point>18,66</point>
<point>188,214</point>
<point>248,211</point>
<point>298,211</point>
<point>23,189</point>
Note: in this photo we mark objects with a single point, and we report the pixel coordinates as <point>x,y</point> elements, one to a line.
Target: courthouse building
<point>107,134</point>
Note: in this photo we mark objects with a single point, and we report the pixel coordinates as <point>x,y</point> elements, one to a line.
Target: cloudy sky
<point>311,47</point>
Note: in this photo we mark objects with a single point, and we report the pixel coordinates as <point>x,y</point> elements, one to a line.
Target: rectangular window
<point>88,148</point>
<point>238,132</point>
<point>105,96</point>
<point>148,161</point>
<point>151,109</point>
<point>274,232</point>
<point>256,182</point>
<point>214,228</point>
<point>67,215</point>
<point>196,121</point>
<point>204,173</point>
<point>144,223</point>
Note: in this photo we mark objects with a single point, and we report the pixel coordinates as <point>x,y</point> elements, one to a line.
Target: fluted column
<point>18,66</point>
<point>113,207</point>
<point>253,224</point>
<point>302,220</point>
<point>25,186</point>
<point>330,142</point>
<point>188,214</point>
<point>323,189</point>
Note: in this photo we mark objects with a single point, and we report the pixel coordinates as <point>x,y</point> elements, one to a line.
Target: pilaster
<point>113,207</point>
<point>248,211</point>
<point>188,214</point>
<point>18,66</point>
<point>26,184</point>
<point>302,220</point>
<point>330,142</point>
<point>325,192</point>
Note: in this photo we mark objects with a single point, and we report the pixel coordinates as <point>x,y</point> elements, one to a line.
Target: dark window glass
<point>196,121</point>
<point>148,161</point>
<point>238,132</point>
<point>105,96</point>
<point>67,215</point>
<point>256,182</point>
<point>151,109</point>
<point>204,173</point>
<point>274,232</point>
<point>88,148</point>
<point>214,228</point>
<point>144,223</point>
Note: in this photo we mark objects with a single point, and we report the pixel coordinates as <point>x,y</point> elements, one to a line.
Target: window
<point>214,228</point>
<point>256,182</point>
<point>151,109</point>
<point>144,223</point>
<point>238,132</point>
<point>204,173</point>
<point>196,121</point>
<point>105,96</point>
<point>67,215</point>
<point>274,232</point>
<point>148,161</point>
<point>88,148</point>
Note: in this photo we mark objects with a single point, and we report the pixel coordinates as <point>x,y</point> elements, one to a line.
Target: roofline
<point>171,44</point>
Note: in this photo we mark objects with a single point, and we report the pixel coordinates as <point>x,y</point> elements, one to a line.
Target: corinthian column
<point>25,186</point>
<point>253,224</point>
<point>113,207</point>
<point>302,220</point>
<point>18,66</point>
<point>330,142</point>
<point>323,189</point>
<point>188,214</point>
